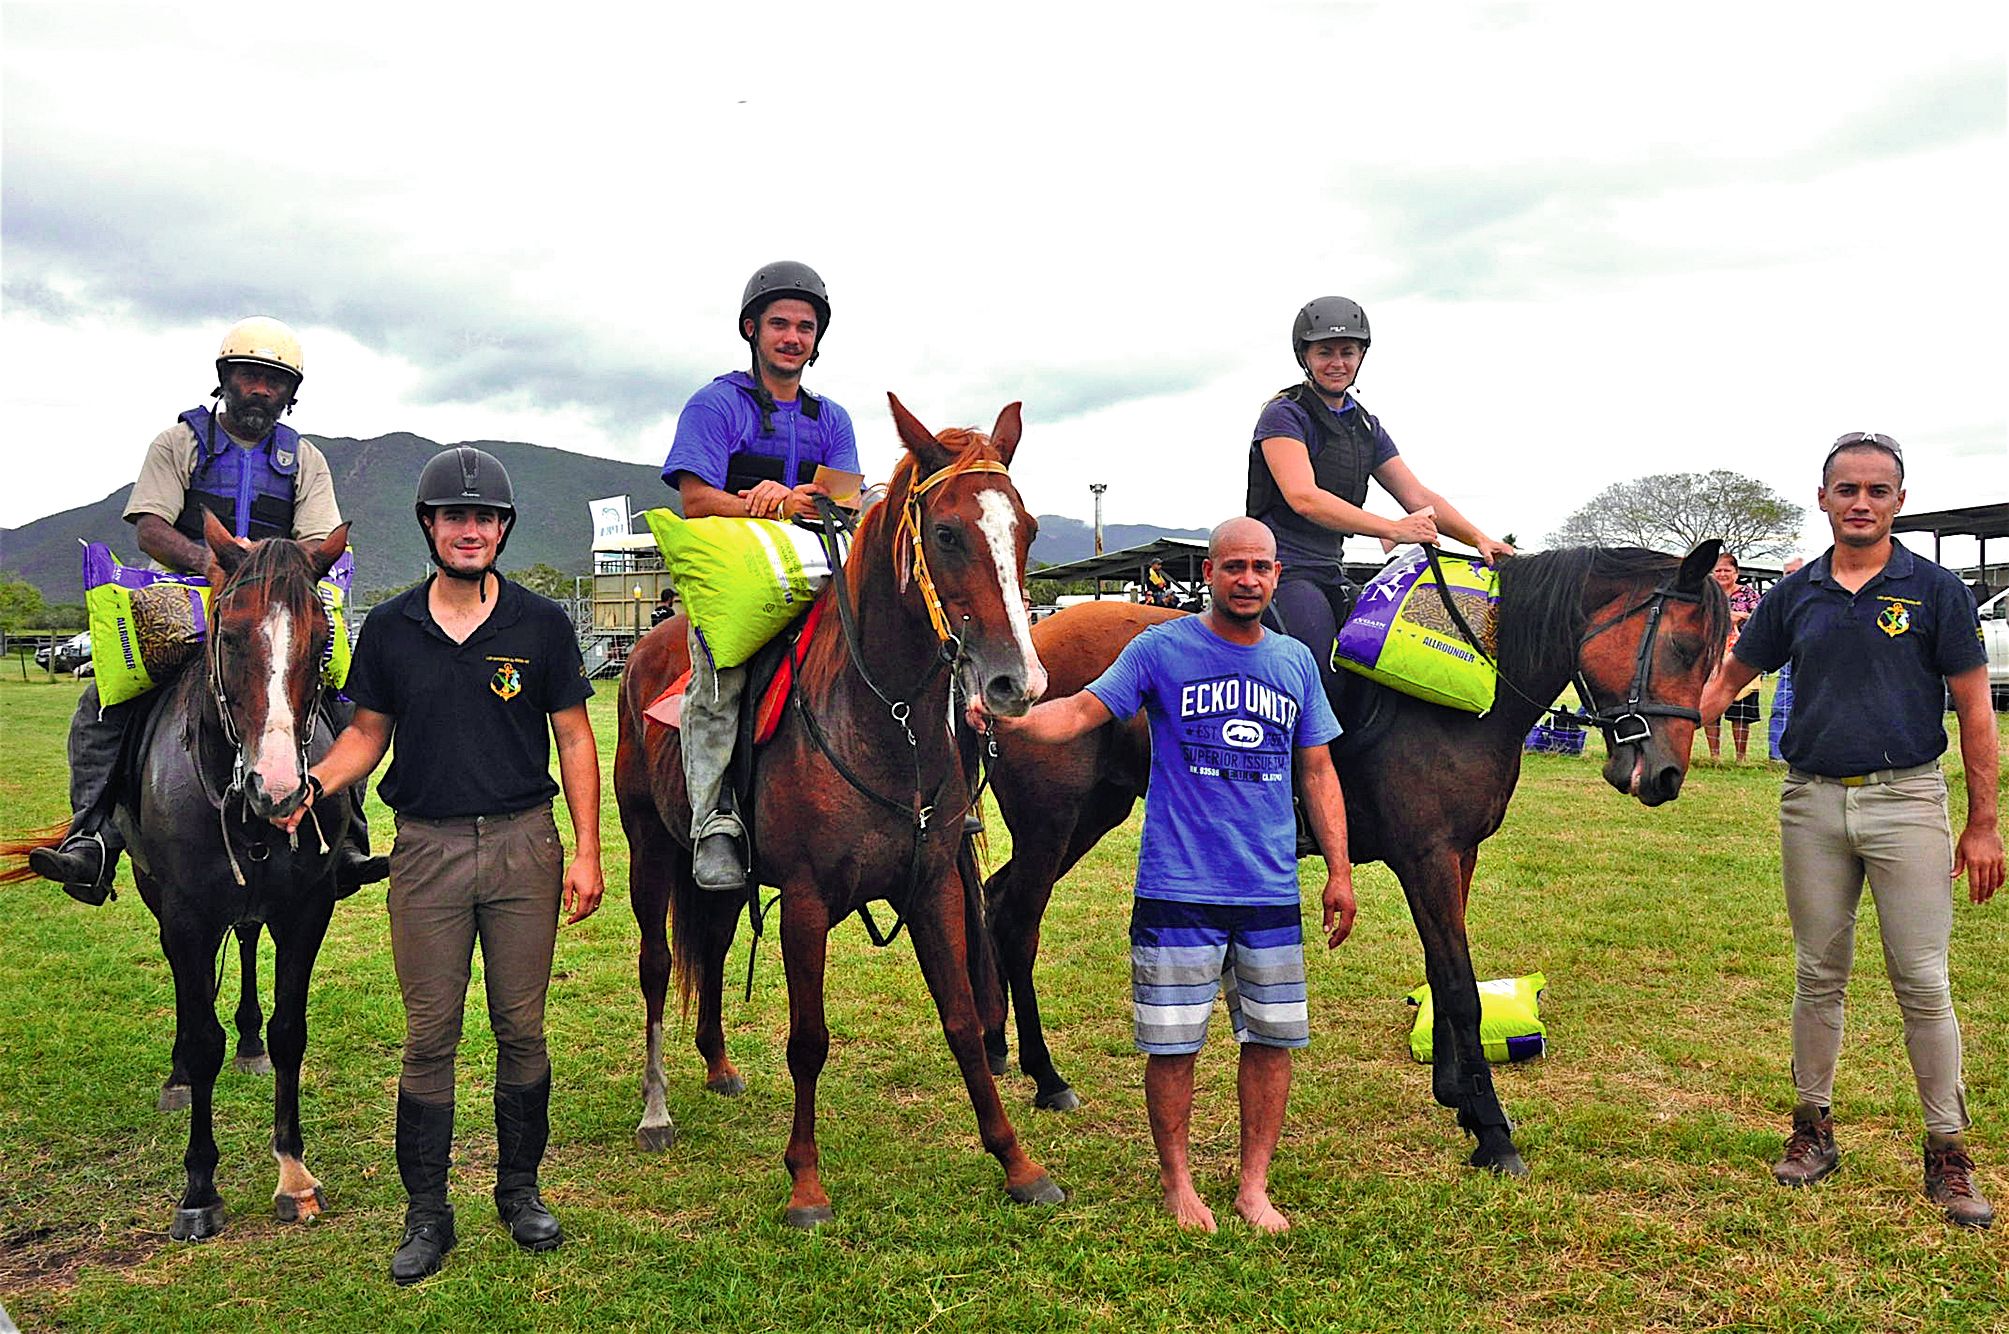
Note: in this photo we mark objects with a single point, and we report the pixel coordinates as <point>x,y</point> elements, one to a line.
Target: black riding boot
<point>425,1151</point>
<point>354,866</point>
<point>83,864</point>
<point>522,1129</point>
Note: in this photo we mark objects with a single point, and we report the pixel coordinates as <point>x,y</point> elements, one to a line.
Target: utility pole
<point>1096,489</point>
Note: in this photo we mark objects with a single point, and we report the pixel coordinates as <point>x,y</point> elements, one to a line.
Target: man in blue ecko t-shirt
<point>747,446</point>
<point>1878,638</point>
<point>1234,710</point>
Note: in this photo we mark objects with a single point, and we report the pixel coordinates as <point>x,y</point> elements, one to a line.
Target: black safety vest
<point>1342,459</point>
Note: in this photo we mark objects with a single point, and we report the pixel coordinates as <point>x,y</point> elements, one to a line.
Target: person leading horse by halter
<point>1315,447</point>
<point>242,463</point>
<point>747,446</point>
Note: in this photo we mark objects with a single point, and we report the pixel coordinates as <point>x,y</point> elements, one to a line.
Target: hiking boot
<point>428,1237</point>
<point>79,864</point>
<point>1810,1150</point>
<point>522,1129</point>
<point>719,862</point>
<point>1949,1182</point>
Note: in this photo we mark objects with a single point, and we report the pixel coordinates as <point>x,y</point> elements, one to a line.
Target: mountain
<point>374,481</point>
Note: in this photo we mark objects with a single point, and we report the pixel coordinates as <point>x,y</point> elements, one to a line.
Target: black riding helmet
<point>785,278</point>
<point>1328,317</point>
<point>464,475</point>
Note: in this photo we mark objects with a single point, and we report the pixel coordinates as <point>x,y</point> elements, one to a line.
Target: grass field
<point>1649,1127</point>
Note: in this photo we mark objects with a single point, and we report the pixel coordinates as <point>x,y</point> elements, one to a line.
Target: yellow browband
<point>909,530</point>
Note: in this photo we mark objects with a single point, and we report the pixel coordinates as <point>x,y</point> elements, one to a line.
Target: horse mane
<point>1542,618</point>
<point>282,570</point>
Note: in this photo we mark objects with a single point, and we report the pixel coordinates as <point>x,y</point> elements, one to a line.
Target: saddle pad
<point>668,707</point>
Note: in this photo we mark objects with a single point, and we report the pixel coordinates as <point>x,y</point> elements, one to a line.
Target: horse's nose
<point>1661,785</point>
<point>1011,694</point>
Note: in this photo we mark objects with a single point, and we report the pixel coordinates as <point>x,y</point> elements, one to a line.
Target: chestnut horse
<point>861,792</point>
<point>223,751</point>
<point>1637,631</point>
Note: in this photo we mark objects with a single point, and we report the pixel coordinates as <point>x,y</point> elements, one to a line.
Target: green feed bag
<point>146,624</point>
<point>1401,634</point>
<point>741,580</point>
<point>1510,1019</point>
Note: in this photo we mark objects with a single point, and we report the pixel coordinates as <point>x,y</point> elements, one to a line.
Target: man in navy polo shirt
<point>1233,709</point>
<point>1877,636</point>
<point>473,675</point>
<point>747,446</point>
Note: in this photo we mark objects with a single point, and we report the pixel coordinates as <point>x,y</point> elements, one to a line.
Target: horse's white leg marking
<point>655,1111</point>
<point>298,1184</point>
<point>278,762</point>
<point>998,522</point>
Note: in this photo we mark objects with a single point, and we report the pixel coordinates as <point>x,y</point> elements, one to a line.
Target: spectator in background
<point>1743,710</point>
<point>1782,694</point>
<point>665,608</point>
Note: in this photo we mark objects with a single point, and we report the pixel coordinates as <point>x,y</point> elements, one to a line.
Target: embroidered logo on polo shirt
<point>1894,620</point>
<point>507,681</point>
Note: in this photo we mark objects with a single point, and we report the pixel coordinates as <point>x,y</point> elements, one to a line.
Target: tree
<point>547,580</point>
<point>21,604</point>
<point>1676,510</point>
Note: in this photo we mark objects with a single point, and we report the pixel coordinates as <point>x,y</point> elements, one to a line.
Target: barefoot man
<point>1233,710</point>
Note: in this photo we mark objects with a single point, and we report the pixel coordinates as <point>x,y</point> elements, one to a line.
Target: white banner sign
<point>610,517</point>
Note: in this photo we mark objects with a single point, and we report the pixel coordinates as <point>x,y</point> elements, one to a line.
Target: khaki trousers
<point>1896,835</point>
<point>492,878</point>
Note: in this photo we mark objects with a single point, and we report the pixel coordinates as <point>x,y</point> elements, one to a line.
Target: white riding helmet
<point>263,341</point>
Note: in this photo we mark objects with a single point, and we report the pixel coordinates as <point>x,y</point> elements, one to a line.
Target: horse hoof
<point>173,1098</point>
<point>655,1139</point>
<point>809,1217</point>
<point>998,1064</point>
<point>1042,1191</point>
<point>727,1086</point>
<point>1062,1099</point>
<point>1506,1164</point>
<point>299,1208</point>
<point>196,1224</point>
<point>261,1064</point>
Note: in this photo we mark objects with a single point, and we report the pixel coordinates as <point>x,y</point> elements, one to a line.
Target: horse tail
<point>985,985</point>
<point>14,868</point>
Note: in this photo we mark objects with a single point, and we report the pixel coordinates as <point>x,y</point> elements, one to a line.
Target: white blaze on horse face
<point>998,522</point>
<point>278,760</point>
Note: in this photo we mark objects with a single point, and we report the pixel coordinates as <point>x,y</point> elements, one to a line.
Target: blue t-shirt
<point>1869,668</point>
<point>1225,721</point>
<point>722,420</point>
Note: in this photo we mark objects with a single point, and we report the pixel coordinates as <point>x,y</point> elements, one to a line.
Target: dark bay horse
<point>860,794</point>
<point>1638,631</point>
<point>224,749</point>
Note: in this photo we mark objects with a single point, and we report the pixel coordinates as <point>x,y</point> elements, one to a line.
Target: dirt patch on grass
<point>48,1259</point>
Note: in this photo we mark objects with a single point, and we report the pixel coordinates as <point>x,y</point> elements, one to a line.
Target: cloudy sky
<point>1595,241</point>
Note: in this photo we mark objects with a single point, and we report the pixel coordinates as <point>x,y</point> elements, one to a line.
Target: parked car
<point>1995,637</point>
<point>69,655</point>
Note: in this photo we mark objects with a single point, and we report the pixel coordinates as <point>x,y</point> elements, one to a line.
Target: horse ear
<point>229,550</point>
<point>1697,564</point>
<point>327,551</point>
<point>1004,436</point>
<point>918,439</point>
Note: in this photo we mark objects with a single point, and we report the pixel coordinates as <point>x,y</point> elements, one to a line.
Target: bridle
<point>1637,708</point>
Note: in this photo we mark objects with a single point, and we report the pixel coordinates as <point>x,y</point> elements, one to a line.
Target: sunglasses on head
<point>1874,439</point>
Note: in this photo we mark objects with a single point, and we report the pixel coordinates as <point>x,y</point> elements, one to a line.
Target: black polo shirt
<point>1869,668</point>
<point>471,722</point>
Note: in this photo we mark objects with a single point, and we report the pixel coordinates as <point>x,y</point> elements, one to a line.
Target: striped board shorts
<point>1182,955</point>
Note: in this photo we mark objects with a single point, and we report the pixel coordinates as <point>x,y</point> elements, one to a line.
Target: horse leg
<point>298,1197</point>
<point>1460,1077</point>
<point>1015,918</point>
<point>651,852</point>
<point>717,922</point>
<point>198,1052</point>
<point>250,1057</point>
<point>805,932</point>
<point>937,928</point>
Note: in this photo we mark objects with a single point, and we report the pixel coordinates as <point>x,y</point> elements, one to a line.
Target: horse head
<point>1645,657</point>
<point>268,634</point>
<point>960,548</point>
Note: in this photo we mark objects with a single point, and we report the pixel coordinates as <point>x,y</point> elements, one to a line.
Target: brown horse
<point>860,794</point>
<point>224,750</point>
<point>1638,632</point>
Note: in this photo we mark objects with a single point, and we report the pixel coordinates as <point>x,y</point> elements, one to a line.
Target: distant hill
<point>374,479</point>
